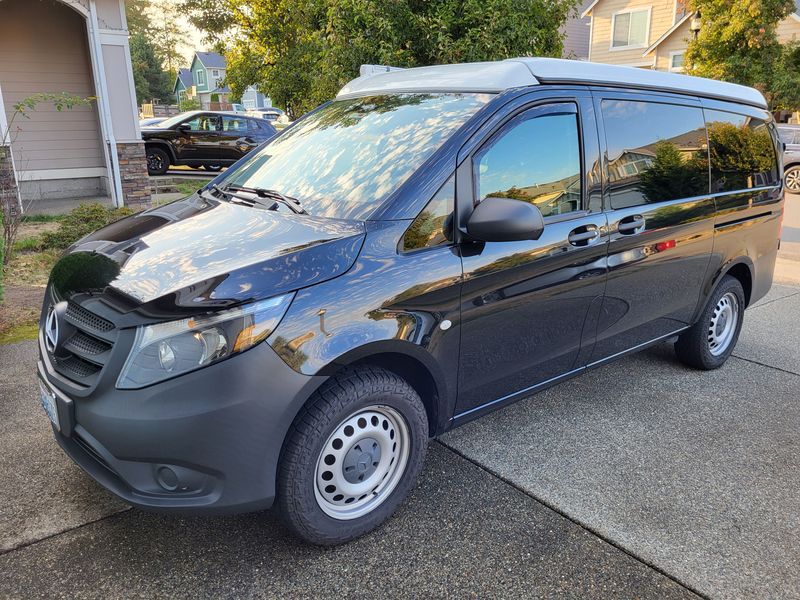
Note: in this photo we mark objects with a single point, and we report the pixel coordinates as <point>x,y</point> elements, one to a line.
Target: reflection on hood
<point>199,252</point>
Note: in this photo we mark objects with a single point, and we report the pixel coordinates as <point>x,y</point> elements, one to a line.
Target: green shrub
<point>28,244</point>
<point>82,221</point>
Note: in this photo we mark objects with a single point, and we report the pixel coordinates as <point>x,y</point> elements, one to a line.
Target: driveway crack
<point>580,524</point>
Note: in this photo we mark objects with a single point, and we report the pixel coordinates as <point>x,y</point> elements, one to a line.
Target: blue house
<point>252,99</point>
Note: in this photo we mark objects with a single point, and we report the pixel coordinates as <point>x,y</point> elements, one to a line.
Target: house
<point>576,34</point>
<point>252,98</point>
<point>183,86</point>
<point>79,47</point>
<point>651,34</point>
<point>204,80</point>
<point>208,73</point>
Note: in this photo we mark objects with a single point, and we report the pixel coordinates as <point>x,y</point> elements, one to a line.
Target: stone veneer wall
<point>133,171</point>
<point>8,181</point>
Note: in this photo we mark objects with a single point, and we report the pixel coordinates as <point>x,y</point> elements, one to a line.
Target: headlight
<point>169,349</point>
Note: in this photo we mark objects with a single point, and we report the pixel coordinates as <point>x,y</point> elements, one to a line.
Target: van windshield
<point>345,159</point>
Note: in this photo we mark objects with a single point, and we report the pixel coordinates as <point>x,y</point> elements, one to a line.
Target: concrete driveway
<point>642,479</point>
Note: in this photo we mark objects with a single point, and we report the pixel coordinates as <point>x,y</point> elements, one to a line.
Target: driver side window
<point>202,123</point>
<point>537,159</point>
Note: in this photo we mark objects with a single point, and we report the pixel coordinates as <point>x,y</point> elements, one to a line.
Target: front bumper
<point>206,442</point>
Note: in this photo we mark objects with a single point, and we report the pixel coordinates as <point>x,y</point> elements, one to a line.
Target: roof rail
<point>494,77</point>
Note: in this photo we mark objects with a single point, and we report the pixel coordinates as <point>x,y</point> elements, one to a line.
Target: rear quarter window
<point>742,152</point>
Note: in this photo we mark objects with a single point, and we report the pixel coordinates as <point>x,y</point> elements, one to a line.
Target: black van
<point>432,245</point>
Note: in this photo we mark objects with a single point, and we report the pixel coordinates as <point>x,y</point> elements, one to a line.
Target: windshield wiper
<point>275,195</point>
<point>256,197</point>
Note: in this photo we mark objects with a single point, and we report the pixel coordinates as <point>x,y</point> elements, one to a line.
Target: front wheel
<point>792,179</point>
<point>213,168</point>
<point>157,161</point>
<point>352,456</point>
<point>709,342</point>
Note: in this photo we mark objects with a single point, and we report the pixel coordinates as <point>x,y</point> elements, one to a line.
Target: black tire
<point>157,161</point>
<point>698,347</point>
<point>349,395</point>
<point>213,168</point>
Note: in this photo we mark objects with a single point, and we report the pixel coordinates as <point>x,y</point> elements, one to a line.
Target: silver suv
<point>790,134</point>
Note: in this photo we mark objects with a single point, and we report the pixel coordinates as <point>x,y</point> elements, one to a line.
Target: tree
<point>166,35</point>
<point>300,52</point>
<point>214,18</point>
<point>136,14</point>
<point>738,42</point>
<point>153,45</point>
<point>149,78</point>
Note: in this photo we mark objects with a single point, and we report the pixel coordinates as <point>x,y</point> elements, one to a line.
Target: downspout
<point>105,107</point>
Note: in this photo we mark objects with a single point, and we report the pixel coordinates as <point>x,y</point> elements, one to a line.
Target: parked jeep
<point>211,140</point>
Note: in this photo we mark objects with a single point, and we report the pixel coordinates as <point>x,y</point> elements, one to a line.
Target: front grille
<point>81,343</point>
<point>86,351</point>
<point>81,317</point>
<point>75,368</point>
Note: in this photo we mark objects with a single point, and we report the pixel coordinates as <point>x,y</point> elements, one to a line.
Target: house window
<point>676,62</point>
<point>215,72</point>
<point>630,29</point>
<point>201,77</point>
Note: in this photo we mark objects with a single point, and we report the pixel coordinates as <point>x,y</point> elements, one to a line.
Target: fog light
<point>167,479</point>
<point>166,356</point>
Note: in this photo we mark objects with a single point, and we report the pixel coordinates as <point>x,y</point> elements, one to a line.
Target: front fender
<point>387,303</point>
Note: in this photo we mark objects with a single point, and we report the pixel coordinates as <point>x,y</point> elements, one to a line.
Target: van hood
<point>200,253</point>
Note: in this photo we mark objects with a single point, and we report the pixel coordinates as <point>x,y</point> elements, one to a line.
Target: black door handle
<point>584,235</point>
<point>632,224</point>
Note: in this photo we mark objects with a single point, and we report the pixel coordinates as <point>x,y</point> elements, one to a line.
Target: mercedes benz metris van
<point>431,245</point>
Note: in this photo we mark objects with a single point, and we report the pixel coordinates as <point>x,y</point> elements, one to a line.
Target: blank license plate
<point>48,400</point>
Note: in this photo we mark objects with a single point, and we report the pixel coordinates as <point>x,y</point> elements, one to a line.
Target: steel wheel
<point>722,327</point>
<point>362,462</point>
<point>792,180</point>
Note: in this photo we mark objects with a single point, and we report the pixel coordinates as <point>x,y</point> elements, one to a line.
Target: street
<point>641,479</point>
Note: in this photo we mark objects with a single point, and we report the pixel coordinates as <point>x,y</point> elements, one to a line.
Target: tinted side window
<point>234,124</point>
<point>203,123</point>
<point>742,152</point>
<point>536,160</point>
<point>432,225</point>
<point>656,152</point>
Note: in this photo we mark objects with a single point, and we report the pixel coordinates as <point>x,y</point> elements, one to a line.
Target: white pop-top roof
<point>493,77</point>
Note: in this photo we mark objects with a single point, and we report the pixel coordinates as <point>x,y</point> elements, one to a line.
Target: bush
<point>82,221</point>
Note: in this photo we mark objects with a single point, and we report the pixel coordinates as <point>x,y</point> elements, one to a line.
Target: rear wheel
<point>214,168</point>
<point>157,161</point>
<point>352,456</point>
<point>792,179</point>
<point>710,341</point>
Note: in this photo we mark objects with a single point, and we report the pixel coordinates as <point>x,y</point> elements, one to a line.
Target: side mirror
<point>184,127</point>
<point>505,220</point>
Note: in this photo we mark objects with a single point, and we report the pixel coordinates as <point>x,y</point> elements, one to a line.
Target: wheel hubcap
<point>723,323</point>
<point>154,162</point>
<point>362,462</point>
<point>793,180</point>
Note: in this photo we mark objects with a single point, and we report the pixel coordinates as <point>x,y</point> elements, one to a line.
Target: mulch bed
<point>21,304</point>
